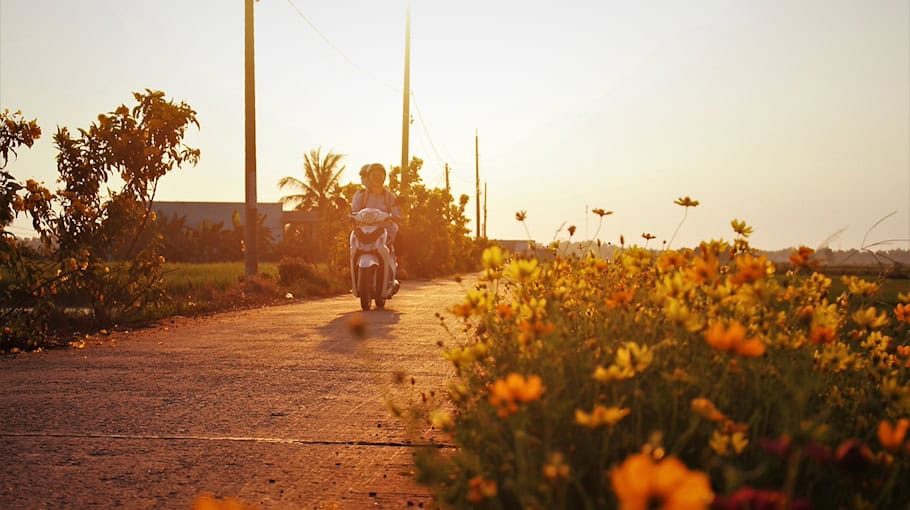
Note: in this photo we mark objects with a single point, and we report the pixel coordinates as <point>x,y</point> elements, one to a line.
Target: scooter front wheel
<point>365,280</point>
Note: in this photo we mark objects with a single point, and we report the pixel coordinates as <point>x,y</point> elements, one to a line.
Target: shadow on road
<point>344,333</point>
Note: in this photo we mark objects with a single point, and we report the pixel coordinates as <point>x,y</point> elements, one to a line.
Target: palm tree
<point>320,186</point>
<point>319,191</point>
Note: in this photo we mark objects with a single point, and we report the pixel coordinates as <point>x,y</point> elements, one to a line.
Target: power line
<point>360,69</point>
<point>338,50</point>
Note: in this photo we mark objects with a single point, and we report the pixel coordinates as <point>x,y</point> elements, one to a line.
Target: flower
<point>868,318</point>
<point>706,409</point>
<point>600,416</point>
<point>556,467</point>
<point>741,228</point>
<point>801,256</point>
<point>571,230</point>
<point>641,483</point>
<point>686,201</point>
<point>722,443</point>
<point>479,488</point>
<point>891,437</point>
<point>750,269</point>
<point>521,215</point>
<point>703,270</point>
<point>600,212</point>
<point>493,257</point>
<point>647,236</point>
<point>733,339</point>
<point>506,393</point>
<point>902,312</point>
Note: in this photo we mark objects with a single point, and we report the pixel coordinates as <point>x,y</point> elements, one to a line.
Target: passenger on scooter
<point>377,196</point>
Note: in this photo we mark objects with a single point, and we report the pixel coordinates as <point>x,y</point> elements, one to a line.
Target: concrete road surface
<point>280,407</point>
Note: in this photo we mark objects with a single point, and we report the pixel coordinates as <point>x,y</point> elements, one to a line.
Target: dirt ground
<point>280,407</point>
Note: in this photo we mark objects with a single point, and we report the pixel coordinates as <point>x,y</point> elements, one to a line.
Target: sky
<point>792,116</point>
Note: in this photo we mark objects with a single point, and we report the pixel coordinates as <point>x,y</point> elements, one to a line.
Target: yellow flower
<point>600,416</point>
<point>869,319</point>
<point>647,236</point>
<point>727,444</point>
<point>741,228</point>
<point>859,287</point>
<point>634,356</point>
<point>441,419</point>
<point>686,201</point>
<point>613,373</point>
<point>523,270</point>
<point>493,257</point>
<point>892,437</point>
<point>641,483</point>
<point>600,212</point>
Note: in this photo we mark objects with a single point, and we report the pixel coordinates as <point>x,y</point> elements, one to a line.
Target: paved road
<point>281,407</point>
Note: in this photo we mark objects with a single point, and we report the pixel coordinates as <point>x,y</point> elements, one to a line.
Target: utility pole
<point>252,210</point>
<point>484,208</point>
<point>448,188</point>
<point>405,115</point>
<point>477,181</point>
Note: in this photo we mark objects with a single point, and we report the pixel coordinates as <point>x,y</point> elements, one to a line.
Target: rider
<point>377,196</point>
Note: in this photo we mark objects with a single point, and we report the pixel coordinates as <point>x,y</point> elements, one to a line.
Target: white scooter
<point>373,266</point>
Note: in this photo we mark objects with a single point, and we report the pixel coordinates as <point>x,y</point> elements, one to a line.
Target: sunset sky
<point>791,115</point>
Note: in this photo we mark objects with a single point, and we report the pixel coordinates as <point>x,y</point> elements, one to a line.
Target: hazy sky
<point>791,115</point>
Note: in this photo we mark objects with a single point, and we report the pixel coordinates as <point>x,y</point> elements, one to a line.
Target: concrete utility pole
<point>252,210</point>
<point>477,181</point>
<point>484,208</point>
<point>405,115</point>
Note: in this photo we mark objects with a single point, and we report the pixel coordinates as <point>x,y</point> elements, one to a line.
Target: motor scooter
<point>374,269</point>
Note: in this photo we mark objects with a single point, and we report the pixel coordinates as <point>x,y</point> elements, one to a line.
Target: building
<point>275,219</point>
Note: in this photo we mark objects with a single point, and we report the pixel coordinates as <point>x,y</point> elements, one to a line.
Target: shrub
<point>671,378</point>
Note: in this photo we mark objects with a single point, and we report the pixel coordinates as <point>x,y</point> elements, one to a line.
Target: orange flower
<point>733,339</point>
<point>750,269</point>
<point>619,298</point>
<point>670,260</point>
<point>706,409</point>
<point>506,393</point>
<point>641,483</point>
<point>703,270</point>
<point>890,437</point>
<point>801,256</point>
<point>479,488</point>
<point>819,334</point>
<point>600,416</point>
<point>902,311</point>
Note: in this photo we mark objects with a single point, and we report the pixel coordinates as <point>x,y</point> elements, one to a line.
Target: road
<point>279,407</point>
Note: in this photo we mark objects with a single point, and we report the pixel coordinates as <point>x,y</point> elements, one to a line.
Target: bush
<point>671,378</point>
<point>304,278</point>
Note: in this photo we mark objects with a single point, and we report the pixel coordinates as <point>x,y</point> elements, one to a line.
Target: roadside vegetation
<point>103,258</point>
<point>675,378</point>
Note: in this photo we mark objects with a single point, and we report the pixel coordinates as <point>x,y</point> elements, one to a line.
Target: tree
<point>85,227</point>
<point>319,191</point>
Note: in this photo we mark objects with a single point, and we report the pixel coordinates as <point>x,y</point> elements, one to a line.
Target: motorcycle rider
<point>376,195</point>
